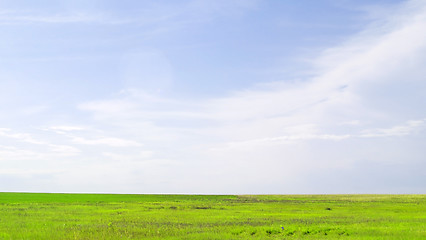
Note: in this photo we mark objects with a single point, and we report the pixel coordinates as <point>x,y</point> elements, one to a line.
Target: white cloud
<point>23,146</point>
<point>23,137</point>
<point>290,139</point>
<point>19,155</point>
<point>108,141</point>
<point>351,123</point>
<point>410,127</point>
<point>283,125</point>
<point>139,155</point>
<point>64,129</point>
<point>67,128</point>
<point>267,140</point>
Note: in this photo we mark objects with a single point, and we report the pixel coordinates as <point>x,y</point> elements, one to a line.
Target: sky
<point>213,97</point>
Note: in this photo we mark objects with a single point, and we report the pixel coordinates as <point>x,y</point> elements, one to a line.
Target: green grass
<point>109,216</point>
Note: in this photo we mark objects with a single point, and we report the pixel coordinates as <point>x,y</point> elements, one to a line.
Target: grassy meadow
<point>110,216</point>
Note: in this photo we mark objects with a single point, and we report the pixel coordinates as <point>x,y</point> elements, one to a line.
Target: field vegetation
<point>109,216</point>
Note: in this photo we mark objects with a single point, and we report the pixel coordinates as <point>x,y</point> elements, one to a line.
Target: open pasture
<point>110,216</point>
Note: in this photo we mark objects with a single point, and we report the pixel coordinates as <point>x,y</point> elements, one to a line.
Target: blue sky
<point>235,96</point>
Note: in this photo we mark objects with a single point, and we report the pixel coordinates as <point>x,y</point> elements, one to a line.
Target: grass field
<point>109,216</point>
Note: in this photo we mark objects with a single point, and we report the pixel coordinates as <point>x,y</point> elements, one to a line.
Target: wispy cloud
<point>65,128</point>
<point>23,17</point>
<point>165,16</point>
<point>410,127</point>
<point>24,146</point>
<point>108,141</point>
<point>78,135</point>
<point>23,137</point>
<point>356,104</point>
<point>290,139</point>
<point>281,123</point>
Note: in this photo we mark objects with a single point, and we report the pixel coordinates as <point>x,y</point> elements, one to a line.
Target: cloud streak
<point>22,17</point>
<point>410,127</point>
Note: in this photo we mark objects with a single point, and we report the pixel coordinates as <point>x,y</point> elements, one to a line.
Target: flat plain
<point>118,216</point>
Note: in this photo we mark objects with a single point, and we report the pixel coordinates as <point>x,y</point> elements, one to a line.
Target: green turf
<point>109,216</point>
